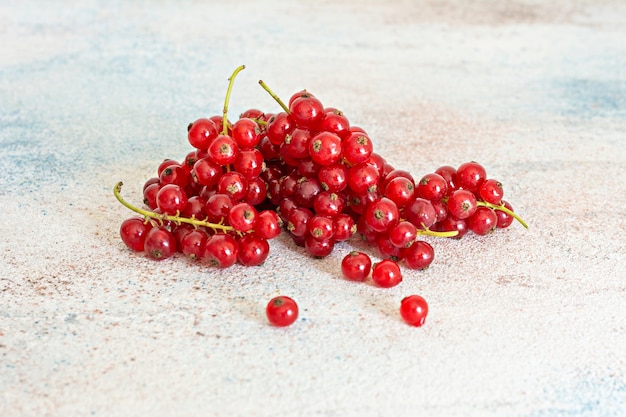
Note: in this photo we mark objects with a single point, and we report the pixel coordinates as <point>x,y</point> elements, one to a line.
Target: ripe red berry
<point>220,250</point>
<point>246,133</point>
<point>462,204</point>
<point>386,273</point>
<point>356,266</point>
<point>483,221</point>
<point>470,175</point>
<point>421,213</point>
<point>413,310</point>
<point>307,111</point>
<point>491,191</point>
<point>357,148</point>
<point>242,217</point>
<point>432,187</point>
<point>381,215</point>
<point>253,249</point>
<point>160,243</point>
<point>171,199</point>
<point>325,148</point>
<point>419,255</point>
<point>281,311</point>
<point>201,133</point>
<point>133,232</point>
<point>504,219</point>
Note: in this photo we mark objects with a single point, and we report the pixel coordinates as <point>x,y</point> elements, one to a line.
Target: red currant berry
<point>281,311</point>
<point>242,217</point>
<point>318,248</point>
<point>421,213</point>
<point>171,199</point>
<point>279,127</point>
<point>307,111</point>
<point>504,219</point>
<point>220,250</point>
<point>253,250</point>
<point>356,266</point>
<point>345,227</point>
<point>400,190</point>
<point>174,174</point>
<point>386,273</point>
<point>333,177</point>
<point>268,224</point>
<point>192,243</point>
<point>403,234</point>
<point>483,221</point>
<point>325,148</point>
<point>246,133</point>
<point>432,187</point>
<point>449,174</point>
<point>413,310</point>
<point>218,206</point>
<point>381,215</point>
<point>234,184</point>
<point>160,243</point>
<point>328,204</point>
<point>462,204</point>
<point>201,133</point>
<point>133,232</point>
<point>470,176</point>
<point>336,122</point>
<point>363,177</point>
<point>491,191</point>
<point>321,227</point>
<point>419,255</point>
<point>206,172</point>
<point>357,148</point>
<point>249,163</point>
<point>452,224</point>
<point>223,150</point>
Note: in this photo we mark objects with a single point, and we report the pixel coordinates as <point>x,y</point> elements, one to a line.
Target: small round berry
<point>470,175</point>
<point>133,232</point>
<point>419,255</point>
<point>386,273</point>
<point>413,310</point>
<point>356,266</point>
<point>160,243</point>
<point>281,311</point>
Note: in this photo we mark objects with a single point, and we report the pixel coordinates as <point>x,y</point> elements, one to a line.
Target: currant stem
<point>504,209</point>
<point>231,81</point>
<point>160,217</point>
<point>428,232</point>
<point>274,96</point>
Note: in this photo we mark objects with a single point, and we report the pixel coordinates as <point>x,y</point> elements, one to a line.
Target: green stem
<point>429,232</point>
<point>274,96</point>
<point>504,209</point>
<point>231,81</point>
<point>160,217</point>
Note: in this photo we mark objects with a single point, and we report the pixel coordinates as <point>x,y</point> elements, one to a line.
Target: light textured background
<point>523,323</point>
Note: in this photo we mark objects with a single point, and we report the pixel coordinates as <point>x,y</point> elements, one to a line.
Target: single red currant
<point>133,232</point>
<point>220,250</point>
<point>160,243</point>
<point>462,204</point>
<point>356,266</point>
<point>201,133</point>
<point>171,199</point>
<point>413,310</point>
<point>483,221</point>
<point>470,175</point>
<point>281,311</point>
<point>491,191</point>
<point>253,249</point>
<point>419,255</point>
<point>386,273</point>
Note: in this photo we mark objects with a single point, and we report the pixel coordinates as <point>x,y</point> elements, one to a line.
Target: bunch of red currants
<point>308,171</point>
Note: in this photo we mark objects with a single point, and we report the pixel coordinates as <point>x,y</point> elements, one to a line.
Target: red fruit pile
<point>308,171</point>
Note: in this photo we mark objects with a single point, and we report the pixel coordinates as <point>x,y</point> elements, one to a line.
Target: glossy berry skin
<point>253,249</point>
<point>504,220</point>
<point>491,191</point>
<point>345,227</point>
<point>400,190</point>
<point>318,248</point>
<point>432,187</point>
<point>403,234</point>
<point>171,199</point>
<point>220,250</point>
<point>325,148</point>
<point>160,243</point>
<point>470,175</point>
<point>307,111</point>
<point>357,148</point>
<point>333,178</point>
<point>421,213</point>
<point>201,133</point>
<point>223,150</point>
<point>413,310</point>
<point>386,274</point>
<point>133,232</point>
<point>249,163</point>
<point>281,311</point>
<point>449,174</point>
<point>356,266</point>
<point>192,244</point>
<point>462,204</point>
<point>419,255</point>
<point>483,221</point>
<point>242,217</point>
<point>381,215</point>
<point>246,133</point>
<point>321,227</point>
<point>363,177</point>
<point>268,224</point>
<point>206,172</point>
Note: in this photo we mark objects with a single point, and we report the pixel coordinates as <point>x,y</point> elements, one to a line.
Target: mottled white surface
<point>523,323</point>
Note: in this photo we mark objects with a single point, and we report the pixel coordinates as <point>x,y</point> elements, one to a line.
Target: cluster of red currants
<point>308,171</point>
